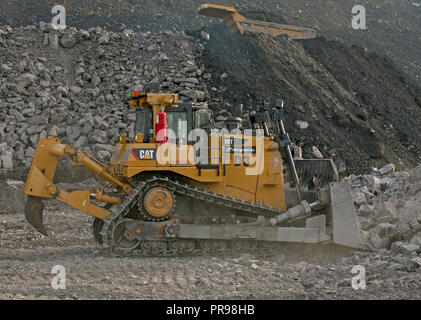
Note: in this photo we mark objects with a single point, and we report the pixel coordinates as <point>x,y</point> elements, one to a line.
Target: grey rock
<point>366,210</point>
<point>387,169</point>
<point>73,132</point>
<point>38,68</point>
<point>76,90</point>
<point>373,183</point>
<point>95,80</point>
<point>416,239</point>
<point>416,173</point>
<point>414,188</point>
<point>413,264</point>
<point>62,90</point>
<point>358,197</point>
<point>59,117</point>
<point>103,155</point>
<point>68,41</point>
<point>109,97</point>
<point>384,183</point>
<point>296,151</point>
<point>53,41</point>
<point>341,166</point>
<point>191,94</point>
<point>205,35</point>
<point>53,131</point>
<point>106,147</point>
<point>100,136</point>
<point>6,156</point>
<point>104,39</point>
<point>151,48</point>
<point>45,84</point>
<point>404,248</point>
<point>29,152</point>
<point>200,95</point>
<point>19,117</point>
<point>37,120</point>
<point>81,142</point>
<point>379,236</point>
<point>19,153</point>
<point>6,68</point>
<point>26,80</point>
<point>316,152</point>
<point>301,124</point>
<point>22,65</point>
<point>44,27</point>
<point>191,80</point>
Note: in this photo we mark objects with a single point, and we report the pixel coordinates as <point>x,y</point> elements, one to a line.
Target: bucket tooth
<point>33,213</point>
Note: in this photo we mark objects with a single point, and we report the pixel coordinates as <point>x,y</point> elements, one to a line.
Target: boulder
<point>53,41</point>
<point>387,169</point>
<point>404,248</point>
<point>26,80</point>
<point>68,41</point>
<point>366,210</point>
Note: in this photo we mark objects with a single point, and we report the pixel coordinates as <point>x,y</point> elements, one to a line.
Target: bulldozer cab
<point>181,119</point>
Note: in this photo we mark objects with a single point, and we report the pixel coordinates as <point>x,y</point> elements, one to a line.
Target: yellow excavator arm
<point>39,184</point>
<point>237,22</point>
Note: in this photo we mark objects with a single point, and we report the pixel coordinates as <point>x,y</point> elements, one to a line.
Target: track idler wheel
<point>33,213</point>
<point>123,237</point>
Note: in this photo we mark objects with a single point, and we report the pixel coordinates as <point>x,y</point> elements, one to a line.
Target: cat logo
<point>144,154</point>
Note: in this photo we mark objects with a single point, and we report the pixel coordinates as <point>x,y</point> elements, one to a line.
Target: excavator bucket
<point>33,213</point>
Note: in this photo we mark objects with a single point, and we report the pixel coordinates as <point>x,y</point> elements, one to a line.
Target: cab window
<point>201,119</point>
<point>177,122</point>
<point>144,123</point>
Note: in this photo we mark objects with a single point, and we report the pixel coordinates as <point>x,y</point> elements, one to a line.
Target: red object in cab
<point>161,134</point>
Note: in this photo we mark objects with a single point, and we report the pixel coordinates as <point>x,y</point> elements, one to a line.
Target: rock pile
<point>76,84</point>
<point>389,208</point>
<point>346,112</point>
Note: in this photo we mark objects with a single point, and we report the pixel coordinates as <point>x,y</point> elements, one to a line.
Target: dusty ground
<point>27,258</point>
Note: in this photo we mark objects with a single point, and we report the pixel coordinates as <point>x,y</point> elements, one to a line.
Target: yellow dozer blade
<point>237,22</point>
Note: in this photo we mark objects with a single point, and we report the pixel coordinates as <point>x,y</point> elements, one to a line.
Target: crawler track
<point>175,247</point>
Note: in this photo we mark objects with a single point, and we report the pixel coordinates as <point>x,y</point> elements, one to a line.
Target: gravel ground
<point>296,272</point>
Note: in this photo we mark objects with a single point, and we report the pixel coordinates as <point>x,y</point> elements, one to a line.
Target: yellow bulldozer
<point>181,185</point>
